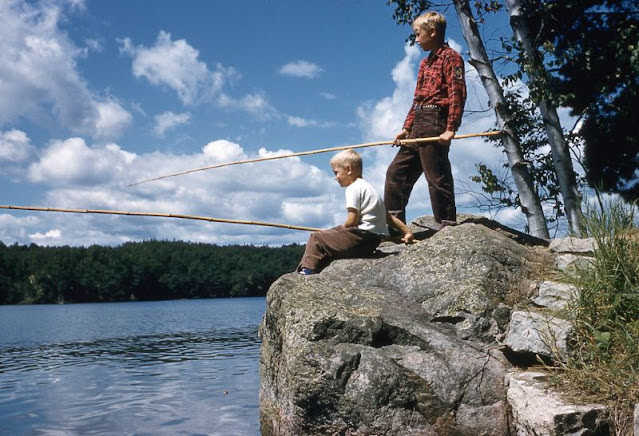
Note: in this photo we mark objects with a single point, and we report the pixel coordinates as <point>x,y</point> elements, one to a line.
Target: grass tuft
<point>604,364</point>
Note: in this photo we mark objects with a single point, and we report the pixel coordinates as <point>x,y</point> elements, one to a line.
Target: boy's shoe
<point>306,271</point>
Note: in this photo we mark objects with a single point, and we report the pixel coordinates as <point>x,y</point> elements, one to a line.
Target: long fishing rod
<point>323,150</point>
<point>163,215</point>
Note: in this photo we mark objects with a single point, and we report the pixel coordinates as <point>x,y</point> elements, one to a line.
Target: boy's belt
<point>424,107</point>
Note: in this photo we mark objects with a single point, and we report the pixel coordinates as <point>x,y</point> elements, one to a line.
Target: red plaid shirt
<point>440,81</point>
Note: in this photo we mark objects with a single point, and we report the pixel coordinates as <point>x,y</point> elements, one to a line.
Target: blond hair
<point>347,157</point>
<point>432,20</point>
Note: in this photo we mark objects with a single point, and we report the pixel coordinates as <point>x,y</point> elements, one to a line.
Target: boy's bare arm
<point>352,218</point>
<point>399,225</point>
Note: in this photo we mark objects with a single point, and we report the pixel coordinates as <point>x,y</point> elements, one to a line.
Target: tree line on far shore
<point>149,270</point>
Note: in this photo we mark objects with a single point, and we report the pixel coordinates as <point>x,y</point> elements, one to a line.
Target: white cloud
<point>169,120</point>
<point>176,65</point>
<point>302,69</point>
<point>256,104</point>
<point>46,238</point>
<point>39,80</point>
<point>72,162</point>
<point>455,45</point>
<point>303,122</point>
<point>223,151</point>
<point>14,228</point>
<point>15,146</point>
<point>81,176</point>
<point>112,120</point>
<point>300,122</point>
<point>16,152</point>
<point>312,211</point>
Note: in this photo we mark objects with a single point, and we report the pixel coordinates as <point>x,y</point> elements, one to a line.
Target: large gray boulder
<point>403,342</point>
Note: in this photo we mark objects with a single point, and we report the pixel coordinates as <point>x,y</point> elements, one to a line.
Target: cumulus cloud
<point>302,69</point>
<point>39,80</point>
<point>14,228</point>
<point>15,146</point>
<point>16,152</point>
<point>73,162</point>
<point>54,234</point>
<point>222,150</point>
<point>312,211</point>
<point>176,65</point>
<point>169,120</point>
<point>77,175</point>
<point>112,120</point>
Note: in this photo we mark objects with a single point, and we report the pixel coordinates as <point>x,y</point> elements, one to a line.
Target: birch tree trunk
<point>558,146</point>
<point>530,204</point>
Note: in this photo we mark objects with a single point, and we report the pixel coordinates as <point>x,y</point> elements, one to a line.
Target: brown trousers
<point>337,243</point>
<point>429,158</point>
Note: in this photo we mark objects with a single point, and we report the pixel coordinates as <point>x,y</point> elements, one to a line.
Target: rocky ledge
<point>434,338</point>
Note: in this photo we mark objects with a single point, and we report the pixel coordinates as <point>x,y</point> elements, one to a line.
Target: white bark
<point>560,151</point>
<point>530,204</point>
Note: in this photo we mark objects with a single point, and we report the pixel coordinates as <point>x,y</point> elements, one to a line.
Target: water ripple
<point>134,350</point>
<point>185,379</point>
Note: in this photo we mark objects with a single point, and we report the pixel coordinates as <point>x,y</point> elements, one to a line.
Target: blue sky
<point>95,95</point>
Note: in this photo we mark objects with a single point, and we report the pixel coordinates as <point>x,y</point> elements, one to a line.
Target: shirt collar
<point>439,51</point>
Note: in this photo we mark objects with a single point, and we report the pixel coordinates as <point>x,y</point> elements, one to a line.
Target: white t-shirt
<point>361,196</point>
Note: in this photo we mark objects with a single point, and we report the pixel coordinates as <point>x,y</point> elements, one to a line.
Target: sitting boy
<point>366,220</point>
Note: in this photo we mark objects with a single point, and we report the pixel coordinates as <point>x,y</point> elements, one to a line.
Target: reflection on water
<point>162,368</point>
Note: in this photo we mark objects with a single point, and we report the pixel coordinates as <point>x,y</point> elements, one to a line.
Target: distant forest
<point>150,270</point>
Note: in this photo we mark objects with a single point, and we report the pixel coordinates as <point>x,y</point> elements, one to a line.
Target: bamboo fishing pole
<point>323,150</point>
<point>163,215</point>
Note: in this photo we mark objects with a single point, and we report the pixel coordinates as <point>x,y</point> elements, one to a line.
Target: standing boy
<point>437,110</point>
<point>366,220</point>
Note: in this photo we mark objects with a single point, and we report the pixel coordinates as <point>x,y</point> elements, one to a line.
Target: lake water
<point>187,367</point>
